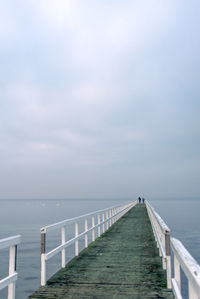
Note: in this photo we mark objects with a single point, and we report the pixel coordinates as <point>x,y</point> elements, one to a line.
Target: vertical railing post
<point>168,259</point>
<point>93,231</point>
<point>155,229</point>
<point>114,215</point>
<point>43,261</point>
<point>118,213</point>
<point>63,258</point>
<point>76,241</point>
<point>103,225</point>
<point>12,262</point>
<point>99,228</point>
<point>15,258</point>
<point>110,215</point>
<point>107,224</point>
<point>177,274</point>
<point>86,235</point>
<point>121,212</point>
<point>158,233</point>
<point>191,292</point>
<point>161,235</point>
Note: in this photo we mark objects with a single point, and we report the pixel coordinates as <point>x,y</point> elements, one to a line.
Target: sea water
<point>26,217</point>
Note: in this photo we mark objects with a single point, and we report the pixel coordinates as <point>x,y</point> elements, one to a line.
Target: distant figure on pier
<point>139,199</point>
<point>143,200</point>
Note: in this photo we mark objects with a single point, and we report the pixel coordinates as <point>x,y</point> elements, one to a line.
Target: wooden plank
<point>122,263</point>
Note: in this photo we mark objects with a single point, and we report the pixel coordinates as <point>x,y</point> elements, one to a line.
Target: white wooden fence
<point>162,236</point>
<point>100,220</point>
<point>97,223</point>
<point>182,258</point>
<point>10,280</point>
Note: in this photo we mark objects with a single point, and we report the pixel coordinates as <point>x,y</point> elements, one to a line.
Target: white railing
<point>162,236</point>
<point>10,280</point>
<point>183,260</point>
<point>99,220</point>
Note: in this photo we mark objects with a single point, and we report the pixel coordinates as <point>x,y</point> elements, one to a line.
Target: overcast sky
<point>99,99</point>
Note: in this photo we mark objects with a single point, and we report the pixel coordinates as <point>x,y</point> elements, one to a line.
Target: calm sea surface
<point>26,217</point>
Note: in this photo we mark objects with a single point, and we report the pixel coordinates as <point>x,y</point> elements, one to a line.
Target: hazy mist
<point>99,98</point>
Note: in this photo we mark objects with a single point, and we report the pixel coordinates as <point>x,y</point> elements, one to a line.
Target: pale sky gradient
<point>99,98</point>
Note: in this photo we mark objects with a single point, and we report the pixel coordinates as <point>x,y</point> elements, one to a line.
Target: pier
<point>123,263</point>
<point>124,251</point>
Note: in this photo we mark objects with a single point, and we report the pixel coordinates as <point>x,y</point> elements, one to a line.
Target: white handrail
<point>60,224</point>
<point>7,242</point>
<point>66,244</point>
<point>162,236</point>
<point>109,216</point>
<point>184,260</point>
<point>10,280</point>
<point>160,221</point>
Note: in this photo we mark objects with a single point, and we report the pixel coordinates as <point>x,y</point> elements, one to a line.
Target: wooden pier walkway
<point>122,263</point>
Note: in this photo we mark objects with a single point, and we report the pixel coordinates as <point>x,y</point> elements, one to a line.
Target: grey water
<point>26,217</point>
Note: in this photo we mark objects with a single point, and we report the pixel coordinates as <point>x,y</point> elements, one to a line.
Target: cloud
<point>9,28</point>
<point>98,92</point>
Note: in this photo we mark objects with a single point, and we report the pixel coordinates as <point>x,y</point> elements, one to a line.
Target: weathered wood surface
<point>122,263</point>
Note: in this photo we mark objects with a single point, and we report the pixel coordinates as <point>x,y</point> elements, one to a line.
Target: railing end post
<point>168,258</point>
<point>43,261</point>
<point>43,241</point>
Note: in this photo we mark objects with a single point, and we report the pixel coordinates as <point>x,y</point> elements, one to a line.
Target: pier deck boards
<point>122,263</point>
